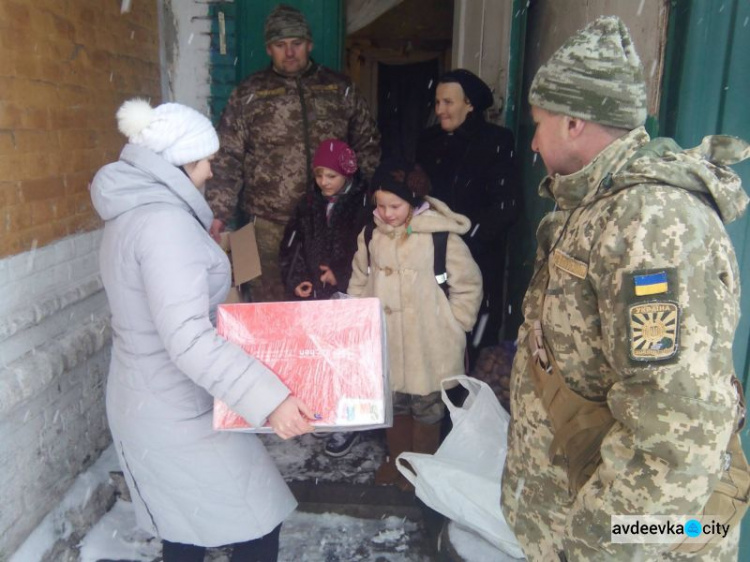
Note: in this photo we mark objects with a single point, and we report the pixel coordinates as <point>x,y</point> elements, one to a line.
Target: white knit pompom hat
<point>176,132</point>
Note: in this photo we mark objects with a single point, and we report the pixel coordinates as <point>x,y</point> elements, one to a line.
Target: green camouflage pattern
<point>269,287</point>
<point>639,206</point>
<point>596,75</point>
<point>285,22</point>
<point>267,143</point>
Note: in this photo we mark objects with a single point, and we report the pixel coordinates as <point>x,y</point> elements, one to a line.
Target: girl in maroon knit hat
<point>321,238</point>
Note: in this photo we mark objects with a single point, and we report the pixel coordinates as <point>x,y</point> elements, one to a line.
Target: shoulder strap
<point>440,243</point>
<point>369,227</point>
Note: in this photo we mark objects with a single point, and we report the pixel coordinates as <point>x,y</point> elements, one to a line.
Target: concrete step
<point>368,501</point>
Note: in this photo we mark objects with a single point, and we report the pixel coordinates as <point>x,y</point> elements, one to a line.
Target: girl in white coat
<point>164,277</point>
<point>426,328</point>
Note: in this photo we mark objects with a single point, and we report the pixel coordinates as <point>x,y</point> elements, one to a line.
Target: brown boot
<point>399,439</point>
<point>425,437</point>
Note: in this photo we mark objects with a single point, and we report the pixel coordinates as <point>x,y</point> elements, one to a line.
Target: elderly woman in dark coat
<point>471,167</point>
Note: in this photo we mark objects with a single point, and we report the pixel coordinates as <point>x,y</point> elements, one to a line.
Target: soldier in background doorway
<point>272,124</point>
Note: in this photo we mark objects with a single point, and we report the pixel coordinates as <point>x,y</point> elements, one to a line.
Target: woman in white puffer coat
<point>164,277</point>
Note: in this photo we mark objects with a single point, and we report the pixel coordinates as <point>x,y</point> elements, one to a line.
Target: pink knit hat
<point>337,156</point>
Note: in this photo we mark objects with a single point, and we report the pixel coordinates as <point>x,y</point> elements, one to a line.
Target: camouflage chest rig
<point>579,426</point>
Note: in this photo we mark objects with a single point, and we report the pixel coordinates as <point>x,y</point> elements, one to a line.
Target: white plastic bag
<point>462,479</point>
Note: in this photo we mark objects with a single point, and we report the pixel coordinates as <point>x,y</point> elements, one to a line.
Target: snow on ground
<point>303,458</point>
<point>55,525</point>
<point>305,537</point>
<point>116,537</point>
<point>309,537</point>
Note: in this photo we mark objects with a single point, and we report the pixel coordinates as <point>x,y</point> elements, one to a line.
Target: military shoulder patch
<point>653,329</point>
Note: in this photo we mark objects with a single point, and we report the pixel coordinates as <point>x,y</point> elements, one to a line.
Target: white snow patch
<point>117,537</point>
<point>305,537</point>
<point>55,525</point>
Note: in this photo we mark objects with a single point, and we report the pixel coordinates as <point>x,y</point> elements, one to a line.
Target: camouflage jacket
<point>640,309</point>
<point>269,131</point>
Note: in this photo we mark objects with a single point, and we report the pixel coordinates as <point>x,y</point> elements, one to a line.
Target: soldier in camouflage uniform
<point>636,290</point>
<point>272,124</point>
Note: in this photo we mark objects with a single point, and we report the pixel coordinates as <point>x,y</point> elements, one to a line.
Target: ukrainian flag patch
<point>651,284</point>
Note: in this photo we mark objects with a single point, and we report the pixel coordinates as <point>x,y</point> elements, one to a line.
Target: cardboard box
<point>331,354</point>
<point>242,249</point>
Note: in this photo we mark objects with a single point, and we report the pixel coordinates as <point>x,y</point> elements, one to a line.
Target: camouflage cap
<point>596,75</point>
<point>285,21</point>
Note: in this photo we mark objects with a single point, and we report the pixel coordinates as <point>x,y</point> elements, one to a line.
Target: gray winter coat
<point>164,277</point>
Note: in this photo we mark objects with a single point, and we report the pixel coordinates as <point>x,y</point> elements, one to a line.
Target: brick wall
<point>54,355</point>
<point>65,69</point>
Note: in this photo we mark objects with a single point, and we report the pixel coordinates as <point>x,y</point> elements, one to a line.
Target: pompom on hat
<point>595,75</point>
<point>284,22</point>
<point>403,178</point>
<point>476,91</point>
<point>335,155</point>
<point>176,132</point>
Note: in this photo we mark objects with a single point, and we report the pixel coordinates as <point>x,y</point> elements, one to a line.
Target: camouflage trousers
<point>537,503</point>
<point>268,287</point>
<point>427,409</point>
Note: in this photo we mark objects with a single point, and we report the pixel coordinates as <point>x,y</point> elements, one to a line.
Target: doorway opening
<point>405,99</point>
<point>395,61</point>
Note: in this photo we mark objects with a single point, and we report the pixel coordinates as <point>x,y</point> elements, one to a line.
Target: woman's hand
<point>215,230</point>
<point>328,278</point>
<point>304,289</point>
<point>290,418</point>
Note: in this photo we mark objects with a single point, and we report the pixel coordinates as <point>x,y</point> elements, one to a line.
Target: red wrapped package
<point>331,354</point>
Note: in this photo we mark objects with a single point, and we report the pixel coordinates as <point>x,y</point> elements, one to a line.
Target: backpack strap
<point>368,236</point>
<point>440,243</point>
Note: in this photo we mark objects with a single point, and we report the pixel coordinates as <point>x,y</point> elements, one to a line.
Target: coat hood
<point>142,177</point>
<point>438,218</point>
<point>703,169</point>
<point>638,160</point>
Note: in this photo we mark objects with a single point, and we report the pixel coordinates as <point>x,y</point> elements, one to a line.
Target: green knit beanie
<point>596,75</point>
